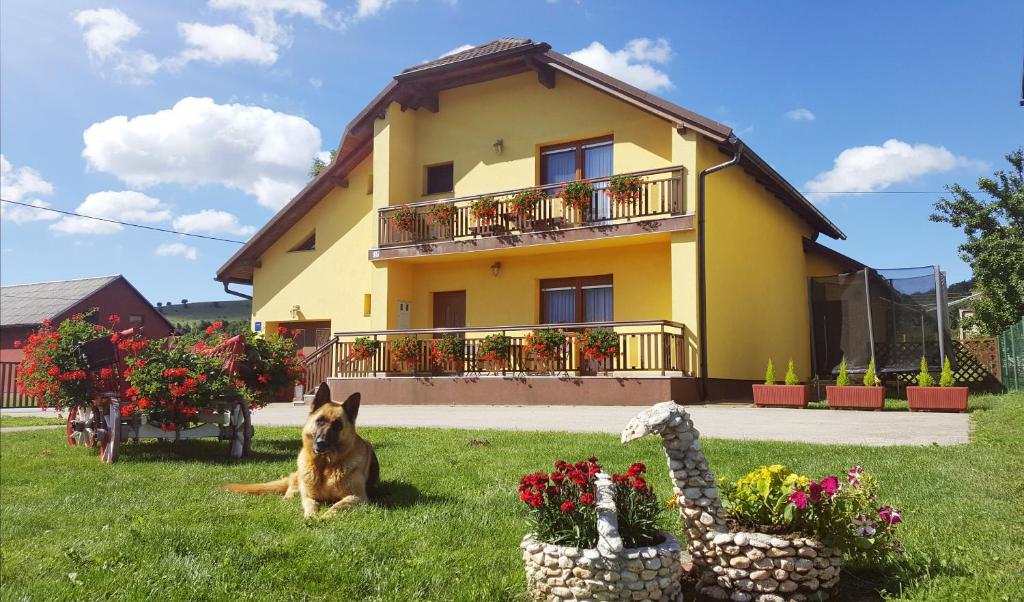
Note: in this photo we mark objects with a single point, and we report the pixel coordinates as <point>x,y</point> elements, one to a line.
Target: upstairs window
<point>308,244</point>
<point>440,178</point>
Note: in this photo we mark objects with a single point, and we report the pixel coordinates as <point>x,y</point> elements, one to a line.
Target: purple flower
<point>890,515</point>
<point>799,499</point>
<point>830,485</point>
<point>815,491</point>
<point>853,476</point>
<point>864,526</point>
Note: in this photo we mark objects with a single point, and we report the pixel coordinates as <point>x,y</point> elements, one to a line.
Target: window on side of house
<point>577,299</point>
<point>307,244</point>
<point>440,178</point>
<point>135,319</point>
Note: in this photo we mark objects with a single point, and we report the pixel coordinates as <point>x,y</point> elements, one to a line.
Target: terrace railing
<point>651,346</point>
<point>661,195</point>
<point>9,395</point>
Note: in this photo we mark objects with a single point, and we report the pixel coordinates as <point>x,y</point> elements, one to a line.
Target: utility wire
<point>114,221</point>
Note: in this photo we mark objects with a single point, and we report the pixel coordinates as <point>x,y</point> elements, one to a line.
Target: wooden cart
<point>100,424</point>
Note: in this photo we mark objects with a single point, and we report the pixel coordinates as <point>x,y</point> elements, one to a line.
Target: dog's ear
<point>351,406</point>
<point>323,395</point>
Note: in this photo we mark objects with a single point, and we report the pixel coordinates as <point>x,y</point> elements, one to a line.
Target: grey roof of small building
<point>29,304</point>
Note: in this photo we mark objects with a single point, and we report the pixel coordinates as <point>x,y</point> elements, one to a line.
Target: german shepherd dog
<point>336,466</point>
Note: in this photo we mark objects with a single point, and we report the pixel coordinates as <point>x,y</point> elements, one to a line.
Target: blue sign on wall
<point>258,326</point>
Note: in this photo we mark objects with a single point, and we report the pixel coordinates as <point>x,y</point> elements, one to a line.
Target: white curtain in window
<point>559,305</point>
<point>597,303</point>
<point>559,166</point>
<point>597,163</point>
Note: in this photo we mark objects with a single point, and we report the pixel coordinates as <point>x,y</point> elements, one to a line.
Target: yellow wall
<point>821,265</point>
<point>327,283</point>
<point>640,276</point>
<point>756,277</point>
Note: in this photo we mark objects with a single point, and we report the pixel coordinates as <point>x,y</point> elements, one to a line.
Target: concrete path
<point>716,421</point>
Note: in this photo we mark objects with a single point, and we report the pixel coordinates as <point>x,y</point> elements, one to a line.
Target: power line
<point>114,221</point>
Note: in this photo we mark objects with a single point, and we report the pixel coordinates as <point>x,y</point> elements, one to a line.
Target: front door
<point>309,335</point>
<point>450,309</point>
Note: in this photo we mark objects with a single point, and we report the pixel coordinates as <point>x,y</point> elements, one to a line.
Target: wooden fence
<point>9,390</point>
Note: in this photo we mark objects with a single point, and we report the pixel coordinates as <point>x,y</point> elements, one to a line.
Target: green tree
<point>319,164</point>
<point>871,377</point>
<point>925,378</point>
<point>995,242</point>
<point>843,380</point>
<point>769,373</point>
<point>946,379</point>
<point>791,378</point>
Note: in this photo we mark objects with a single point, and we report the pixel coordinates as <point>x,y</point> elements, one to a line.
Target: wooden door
<point>450,309</point>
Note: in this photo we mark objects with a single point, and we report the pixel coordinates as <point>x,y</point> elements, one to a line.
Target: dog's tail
<point>279,486</point>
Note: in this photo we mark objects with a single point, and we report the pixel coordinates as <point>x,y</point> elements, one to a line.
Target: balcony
<point>659,204</point>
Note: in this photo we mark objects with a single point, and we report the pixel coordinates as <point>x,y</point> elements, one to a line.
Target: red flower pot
<point>937,399</point>
<point>784,396</point>
<point>855,398</point>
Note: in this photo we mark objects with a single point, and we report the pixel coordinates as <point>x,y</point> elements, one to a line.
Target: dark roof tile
<point>499,45</point>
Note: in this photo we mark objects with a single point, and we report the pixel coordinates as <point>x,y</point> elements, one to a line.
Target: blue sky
<point>204,115</point>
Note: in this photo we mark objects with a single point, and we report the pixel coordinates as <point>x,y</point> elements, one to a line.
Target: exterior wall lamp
<point>295,311</point>
<point>496,268</point>
<point>499,145</point>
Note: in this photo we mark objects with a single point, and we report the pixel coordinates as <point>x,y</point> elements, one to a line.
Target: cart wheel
<point>236,420</point>
<point>73,435</point>
<point>110,437</point>
<point>103,437</point>
<point>248,429</point>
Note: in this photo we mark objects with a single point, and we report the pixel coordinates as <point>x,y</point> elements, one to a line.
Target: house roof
<point>417,87</point>
<point>30,304</point>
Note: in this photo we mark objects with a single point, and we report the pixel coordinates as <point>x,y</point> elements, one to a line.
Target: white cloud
<point>800,114</point>
<point>211,221</point>
<point>633,64</point>
<point>21,185</point>
<point>370,8</point>
<point>262,14</point>
<point>125,206</point>
<point>457,50</point>
<point>221,44</point>
<point>872,168</point>
<point>106,31</point>
<point>316,82</point>
<point>256,150</point>
<point>177,249</point>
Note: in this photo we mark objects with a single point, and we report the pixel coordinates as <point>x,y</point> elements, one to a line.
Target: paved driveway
<point>718,421</point>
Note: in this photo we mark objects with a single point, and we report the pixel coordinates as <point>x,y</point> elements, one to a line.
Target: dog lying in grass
<point>336,466</point>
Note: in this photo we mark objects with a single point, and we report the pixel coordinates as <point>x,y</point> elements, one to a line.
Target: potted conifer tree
<point>790,395</point>
<point>946,397</point>
<point>844,397</point>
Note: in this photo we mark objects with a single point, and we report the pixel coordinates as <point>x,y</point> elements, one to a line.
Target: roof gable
<point>417,87</point>
<point>29,304</point>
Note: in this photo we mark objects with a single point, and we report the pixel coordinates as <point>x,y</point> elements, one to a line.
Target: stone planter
<point>744,566</point>
<point>783,396</point>
<point>559,573</point>
<point>937,399</point>
<point>855,398</point>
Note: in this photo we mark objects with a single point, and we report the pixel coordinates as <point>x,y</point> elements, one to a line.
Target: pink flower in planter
<point>815,490</point>
<point>853,476</point>
<point>830,485</point>
<point>864,526</point>
<point>799,499</point>
<point>890,515</point>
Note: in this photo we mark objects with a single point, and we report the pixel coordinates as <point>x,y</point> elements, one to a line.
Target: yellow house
<point>698,264</point>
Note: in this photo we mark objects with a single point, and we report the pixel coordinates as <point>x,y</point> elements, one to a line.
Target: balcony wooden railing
<point>651,346</point>
<point>660,196</point>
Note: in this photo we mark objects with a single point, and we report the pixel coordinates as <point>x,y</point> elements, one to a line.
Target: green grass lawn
<point>6,420</point>
<point>448,524</point>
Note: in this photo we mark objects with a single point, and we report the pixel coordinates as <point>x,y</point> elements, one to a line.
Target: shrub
<point>363,348</point>
<point>843,380</point>
<point>599,344</point>
<point>405,349</point>
<point>495,347</point>
<point>577,194</point>
<point>524,202</point>
<point>769,373</point>
<point>924,378</point>
<point>546,343</point>
<point>791,378</point>
<point>846,514</point>
<point>625,189</point>
<point>404,218</point>
<point>946,379</point>
<point>562,505</point>
<point>871,377</point>
<point>441,213</point>
<point>446,349</point>
<point>484,209</point>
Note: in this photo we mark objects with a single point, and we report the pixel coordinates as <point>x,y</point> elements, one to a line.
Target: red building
<point>23,307</point>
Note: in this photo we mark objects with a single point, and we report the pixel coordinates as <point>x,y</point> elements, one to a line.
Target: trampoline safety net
<point>896,316</point>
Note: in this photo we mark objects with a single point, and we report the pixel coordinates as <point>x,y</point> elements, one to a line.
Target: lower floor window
<point>577,299</point>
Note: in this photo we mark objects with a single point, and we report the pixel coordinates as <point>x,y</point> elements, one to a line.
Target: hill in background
<point>192,313</point>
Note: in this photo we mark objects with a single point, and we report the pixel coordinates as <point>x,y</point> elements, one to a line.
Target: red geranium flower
<point>587,498</point>
<point>799,499</point>
<point>636,470</point>
<point>568,506</point>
